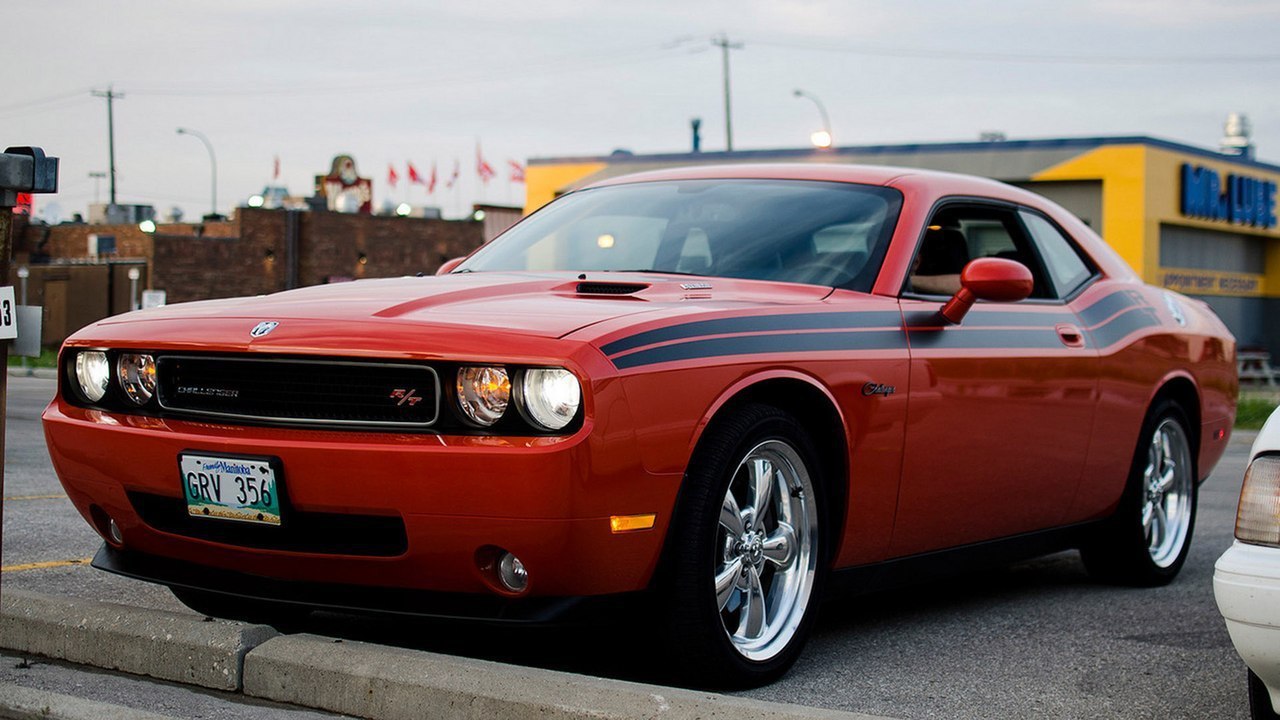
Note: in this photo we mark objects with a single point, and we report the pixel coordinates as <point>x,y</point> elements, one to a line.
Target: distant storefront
<point>1193,220</point>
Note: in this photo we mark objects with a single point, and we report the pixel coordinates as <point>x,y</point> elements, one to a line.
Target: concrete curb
<point>385,683</point>
<point>353,678</point>
<point>22,703</point>
<point>42,373</point>
<point>164,645</point>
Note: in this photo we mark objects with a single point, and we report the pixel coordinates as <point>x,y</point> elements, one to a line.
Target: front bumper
<point>547,500</point>
<point>336,597</point>
<point>1246,584</point>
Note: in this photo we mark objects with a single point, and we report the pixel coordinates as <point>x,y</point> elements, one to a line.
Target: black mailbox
<point>27,170</point>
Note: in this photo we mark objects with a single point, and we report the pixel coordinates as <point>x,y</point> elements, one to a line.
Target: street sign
<point>153,298</point>
<point>8,314</point>
<point>30,322</point>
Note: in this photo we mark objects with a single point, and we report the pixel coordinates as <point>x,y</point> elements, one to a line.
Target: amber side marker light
<point>631,523</point>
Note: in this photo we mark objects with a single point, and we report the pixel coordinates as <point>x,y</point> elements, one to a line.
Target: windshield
<point>818,233</point>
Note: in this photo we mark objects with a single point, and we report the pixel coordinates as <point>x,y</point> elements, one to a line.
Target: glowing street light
<point>213,164</point>
<point>822,138</point>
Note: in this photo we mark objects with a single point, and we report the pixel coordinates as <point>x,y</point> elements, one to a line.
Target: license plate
<point>231,488</point>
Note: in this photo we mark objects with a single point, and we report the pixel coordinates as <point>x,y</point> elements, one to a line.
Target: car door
<point>1001,405</point>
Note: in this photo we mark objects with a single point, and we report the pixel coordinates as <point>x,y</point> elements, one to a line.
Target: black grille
<point>310,532</point>
<point>290,390</point>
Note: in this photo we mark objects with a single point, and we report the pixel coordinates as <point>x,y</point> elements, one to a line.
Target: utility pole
<point>722,42</point>
<point>110,95</point>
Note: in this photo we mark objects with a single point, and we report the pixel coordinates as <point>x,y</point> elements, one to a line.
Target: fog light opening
<point>106,526</point>
<point>511,573</point>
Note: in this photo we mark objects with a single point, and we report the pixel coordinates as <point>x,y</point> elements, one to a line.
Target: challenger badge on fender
<point>872,388</point>
<point>263,328</point>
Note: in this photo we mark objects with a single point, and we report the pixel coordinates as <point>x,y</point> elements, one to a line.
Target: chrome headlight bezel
<point>483,394</point>
<point>549,398</point>
<point>136,377</point>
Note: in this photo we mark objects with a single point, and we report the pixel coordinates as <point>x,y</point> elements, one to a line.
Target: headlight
<point>137,375</point>
<point>483,393</point>
<point>551,397</point>
<point>1258,519</point>
<point>93,372</point>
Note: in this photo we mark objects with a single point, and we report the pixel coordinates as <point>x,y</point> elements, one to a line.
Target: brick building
<point>260,251</point>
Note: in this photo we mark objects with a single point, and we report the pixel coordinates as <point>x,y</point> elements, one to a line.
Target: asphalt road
<point>1038,639</point>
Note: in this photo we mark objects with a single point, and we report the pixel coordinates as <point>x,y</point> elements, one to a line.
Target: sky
<point>428,82</point>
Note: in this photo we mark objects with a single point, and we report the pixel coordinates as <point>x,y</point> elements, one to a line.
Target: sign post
<point>23,170</point>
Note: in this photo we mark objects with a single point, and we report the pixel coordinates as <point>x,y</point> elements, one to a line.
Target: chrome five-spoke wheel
<point>767,534</point>
<point>1167,485</point>
<point>1146,540</point>
<point>746,555</point>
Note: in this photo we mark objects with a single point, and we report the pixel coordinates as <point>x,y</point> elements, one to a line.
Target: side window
<point>959,233</point>
<point>1061,261</point>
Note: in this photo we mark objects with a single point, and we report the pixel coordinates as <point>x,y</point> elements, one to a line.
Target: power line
<point>35,109</point>
<point>929,54</point>
<point>77,93</point>
<point>539,68</point>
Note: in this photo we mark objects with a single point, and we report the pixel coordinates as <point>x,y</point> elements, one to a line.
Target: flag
<point>275,175</point>
<point>454,177</point>
<point>431,184</point>
<point>392,177</point>
<point>483,169</point>
<point>414,177</point>
<point>517,171</point>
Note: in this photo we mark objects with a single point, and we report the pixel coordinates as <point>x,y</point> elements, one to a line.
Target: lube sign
<point>1240,200</point>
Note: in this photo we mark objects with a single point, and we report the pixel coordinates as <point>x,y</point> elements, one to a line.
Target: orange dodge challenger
<point>722,387</point>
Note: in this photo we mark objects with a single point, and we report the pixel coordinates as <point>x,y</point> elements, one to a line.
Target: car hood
<point>549,305</point>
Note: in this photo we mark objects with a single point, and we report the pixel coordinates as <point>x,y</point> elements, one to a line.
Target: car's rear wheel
<point>1146,541</point>
<point>282,616</point>
<point>1260,705</point>
<point>746,553</point>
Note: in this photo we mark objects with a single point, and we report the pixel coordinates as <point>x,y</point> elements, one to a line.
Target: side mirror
<point>993,279</point>
<point>449,265</point>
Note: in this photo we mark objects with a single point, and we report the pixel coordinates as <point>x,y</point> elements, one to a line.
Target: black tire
<point>1127,549</point>
<point>283,616</point>
<point>761,565</point>
<point>1260,700</point>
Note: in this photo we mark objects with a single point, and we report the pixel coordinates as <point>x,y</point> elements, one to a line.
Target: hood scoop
<point>610,288</point>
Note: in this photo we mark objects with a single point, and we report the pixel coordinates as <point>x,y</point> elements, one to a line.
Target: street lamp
<point>213,164</point>
<point>134,274</point>
<point>23,273</point>
<point>822,138</point>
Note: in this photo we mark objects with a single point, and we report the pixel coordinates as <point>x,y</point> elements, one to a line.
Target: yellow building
<point>1186,218</point>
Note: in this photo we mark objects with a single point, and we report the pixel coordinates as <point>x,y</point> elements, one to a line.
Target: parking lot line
<point>45,565</point>
<point>54,496</point>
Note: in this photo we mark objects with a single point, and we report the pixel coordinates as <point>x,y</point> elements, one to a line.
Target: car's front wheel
<point>1146,540</point>
<point>746,553</point>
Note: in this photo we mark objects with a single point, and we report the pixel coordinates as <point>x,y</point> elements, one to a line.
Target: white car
<point>1246,579</point>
